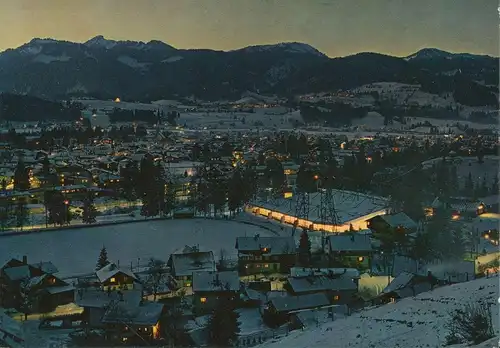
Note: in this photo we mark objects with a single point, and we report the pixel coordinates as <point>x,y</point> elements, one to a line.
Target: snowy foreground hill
<point>412,322</point>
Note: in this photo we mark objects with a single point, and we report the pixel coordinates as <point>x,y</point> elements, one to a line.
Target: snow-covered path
<point>75,251</point>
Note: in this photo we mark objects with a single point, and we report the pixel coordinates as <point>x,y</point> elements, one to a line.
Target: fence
<point>256,338</point>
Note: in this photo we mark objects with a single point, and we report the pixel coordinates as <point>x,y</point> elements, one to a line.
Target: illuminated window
<point>203,299</point>
<point>112,280</point>
<point>336,297</point>
<point>266,265</point>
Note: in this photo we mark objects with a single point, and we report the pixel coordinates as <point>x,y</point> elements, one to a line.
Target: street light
<point>66,203</point>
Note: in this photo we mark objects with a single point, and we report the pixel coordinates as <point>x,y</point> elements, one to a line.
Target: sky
<point>335,27</point>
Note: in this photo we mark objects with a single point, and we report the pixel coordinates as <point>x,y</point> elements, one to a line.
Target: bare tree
<point>157,275</point>
<point>26,298</point>
<point>470,324</point>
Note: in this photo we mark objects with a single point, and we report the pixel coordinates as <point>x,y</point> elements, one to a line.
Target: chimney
<point>25,260</point>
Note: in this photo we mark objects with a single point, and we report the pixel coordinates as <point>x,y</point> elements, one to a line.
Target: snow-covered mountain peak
<point>428,53</point>
<point>432,53</point>
<point>289,47</point>
<point>100,41</point>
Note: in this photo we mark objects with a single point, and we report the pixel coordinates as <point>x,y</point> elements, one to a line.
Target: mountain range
<point>103,68</point>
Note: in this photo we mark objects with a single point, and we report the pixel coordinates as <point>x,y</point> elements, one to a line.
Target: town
<point>214,224</point>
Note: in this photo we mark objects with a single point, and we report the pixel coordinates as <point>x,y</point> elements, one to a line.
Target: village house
<point>208,287</point>
<point>37,282</point>
<point>95,303</point>
<point>265,254</point>
<point>406,285</point>
<point>461,207</point>
<point>279,309</point>
<point>353,250</point>
<point>397,223</point>
<point>133,324</point>
<point>115,278</point>
<point>183,264</point>
<point>339,289</point>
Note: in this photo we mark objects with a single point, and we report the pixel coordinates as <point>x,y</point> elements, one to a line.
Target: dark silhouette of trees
<point>236,192</point>
<point>22,213</point>
<point>102,261</point>
<point>223,325</point>
<point>21,177</point>
<point>57,208</point>
<point>304,251</point>
<point>89,211</point>
<point>130,181</point>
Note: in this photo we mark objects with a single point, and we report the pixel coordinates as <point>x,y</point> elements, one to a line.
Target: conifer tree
<point>21,177</point>
<point>102,261</point>
<point>89,210</point>
<point>304,249</point>
<point>22,213</point>
<point>223,324</point>
<point>235,192</point>
<point>469,186</point>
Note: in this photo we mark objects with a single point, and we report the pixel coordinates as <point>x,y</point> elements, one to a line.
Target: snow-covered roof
<point>187,263</point>
<point>349,205</point>
<point>350,242</point>
<point>303,271</point>
<point>320,283</point>
<point>401,281</point>
<point>399,219</point>
<point>273,245</point>
<point>59,289</point>
<point>46,267</point>
<point>18,273</point>
<point>293,303</point>
<point>110,271</point>
<point>100,299</point>
<point>216,281</point>
<point>36,280</point>
<point>146,314</point>
<point>9,327</point>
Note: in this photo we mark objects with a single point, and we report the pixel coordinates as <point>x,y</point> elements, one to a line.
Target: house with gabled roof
<point>351,250</point>
<point>338,289</point>
<point>257,255</point>
<point>113,277</point>
<point>279,309</point>
<point>133,324</point>
<point>397,223</point>
<point>184,264</point>
<point>406,284</point>
<point>46,290</point>
<point>208,287</point>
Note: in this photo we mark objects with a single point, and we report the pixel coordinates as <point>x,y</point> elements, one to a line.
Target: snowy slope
<point>412,322</point>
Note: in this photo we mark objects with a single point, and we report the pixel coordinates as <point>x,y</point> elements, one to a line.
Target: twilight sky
<point>335,27</point>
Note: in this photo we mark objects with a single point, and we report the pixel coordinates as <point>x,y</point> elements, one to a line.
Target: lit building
<point>353,210</point>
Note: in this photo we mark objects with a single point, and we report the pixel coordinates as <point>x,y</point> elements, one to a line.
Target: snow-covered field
<point>75,251</point>
<point>412,322</point>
